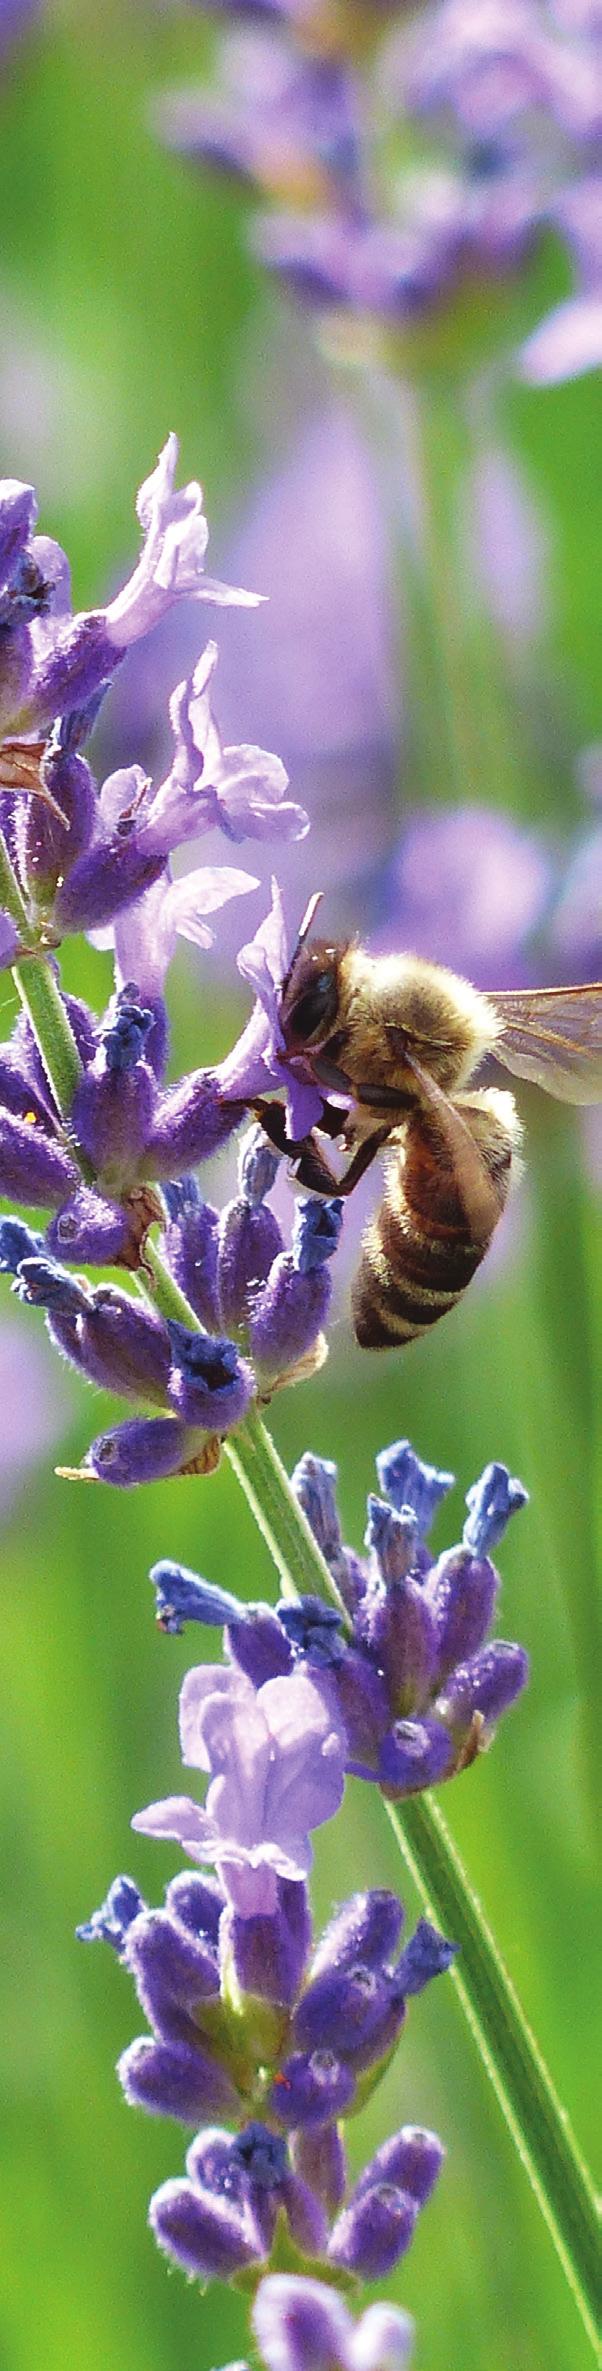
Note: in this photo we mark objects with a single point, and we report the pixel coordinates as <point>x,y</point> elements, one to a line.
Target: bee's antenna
<point>302,933</point>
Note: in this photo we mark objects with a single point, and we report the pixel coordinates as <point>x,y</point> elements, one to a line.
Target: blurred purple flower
<point>467,887</point>
<point>301,2323</point>
<point>278,119</point>
<point>36,1409</point>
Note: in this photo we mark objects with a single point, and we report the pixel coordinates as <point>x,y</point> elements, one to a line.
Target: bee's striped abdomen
<point>422,1247</point>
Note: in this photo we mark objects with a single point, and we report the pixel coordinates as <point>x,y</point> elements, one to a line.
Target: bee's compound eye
<point>307,1015</point>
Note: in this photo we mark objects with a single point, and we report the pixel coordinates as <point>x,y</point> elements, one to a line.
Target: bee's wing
<point>553,1035</point>
<point>473,1180</point>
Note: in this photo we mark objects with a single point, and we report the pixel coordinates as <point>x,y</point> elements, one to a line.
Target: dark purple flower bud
<point>412,2159</point>
<point>125,1032</point>
<point>461,1592</point>
<point>249,1240</point>
<point>147,1450</point>
<point>122,1346</point>
<point>191,1247</point>
<point>182,1597</point>
<point>172,1970</point>
<point>95,1231</point>
<point>209,2236</point>
<point>106,877</point>
<point>286,1318</point>
<point>257,1167</point>
<point>112,1114</point>
<point>374,2231</point>
<point>45,1285</point>
<point>399,1631</point>
<point>259,1646</point>
<point>300,2323</point>
<point>392,1539</point>
<point>367,1928</point>
<point>487,1685</point>
<point>270,1952</point>
<point>191,1121</point>
<point>47,848</point>
<point>210,1384</point>
<point>408,1482</point>
<point>34,1167</point>
<point>316,1230</point>
<point>197,1902</point>
<point>319,2157</point>
<point>491,1502</point>
<point>363,1703</point>
<point>314,1484</point>
<point>313,1630</point>
<point>252,2170</point>
<point>17,1243</point>
<point>312,2088</point>
<point>110,1924</point>
<point>176,2079</point>
<point>348,2010</point>
<point>413,1755</point>
<point>426,1955</point>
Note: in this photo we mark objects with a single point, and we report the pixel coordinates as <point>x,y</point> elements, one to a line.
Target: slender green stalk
<point>40,996</point>
<point>507,2048</point>
<point>509,2051</point>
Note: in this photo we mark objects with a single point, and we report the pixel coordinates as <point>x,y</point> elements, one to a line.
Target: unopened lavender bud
<point>344,2010</point>
<point>313,1630</point>
<point>487,1685</point>
<point>287,1317</point>
<point>172,1970</point>
<point>17,1243</point>
<point>259,1646</point>
<point>257,1166</point>
<point>182,1597</point>
<point>302,2325</point>
<point>399,1631</point>
<point>34,1167</point>
<point>314,1484</point>
<point>312,2088</point>
<point>208,2236</point>
<point>366,1928</point>
<point>111,1923</point>
<point>408,1482</point>
<point>113,1110</point>
<point>461,1592</point>
<point>191,1247</point>
<point>392,1538</point>
<point>414,1754</point>
<point>411,2158</point>
<point>374,2231</point>
<point>94,1230</point>
<point>249,1240</point>
<point>44,1284</point>
<point>426,1955</point>
<point>316,1230</point>
<point>147,1450</point>
<point>191,1121</point>
<point>319,2158</point>
<point>210,1384</point>
<point>491,1502</point>
<point>176,2079</point>
<point>270,1953</point>
<point>198,1903</point>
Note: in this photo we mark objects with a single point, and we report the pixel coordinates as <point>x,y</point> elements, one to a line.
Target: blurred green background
<point>129,306</point>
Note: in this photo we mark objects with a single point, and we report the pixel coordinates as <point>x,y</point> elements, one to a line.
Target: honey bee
<point>398,1040</point>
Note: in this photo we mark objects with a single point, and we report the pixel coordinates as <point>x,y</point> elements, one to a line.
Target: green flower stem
<point>507,2048</point>
<point>530,2105</point>
<point>255,1461</point>
<point>40,996</point>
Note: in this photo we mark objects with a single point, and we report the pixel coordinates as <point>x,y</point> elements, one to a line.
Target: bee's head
<point>310,995</point>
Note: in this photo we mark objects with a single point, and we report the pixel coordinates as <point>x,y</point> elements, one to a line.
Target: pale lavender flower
<point>259,1061</point>
<point>275,1761</point>
<point>301,2325</point>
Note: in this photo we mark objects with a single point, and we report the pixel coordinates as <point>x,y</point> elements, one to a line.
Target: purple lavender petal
<point>176,2079</point>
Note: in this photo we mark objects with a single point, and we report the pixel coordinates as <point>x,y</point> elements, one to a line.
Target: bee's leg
<point>272,1118</point>
<point>361,1160</point>
<point>314,1172</point>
